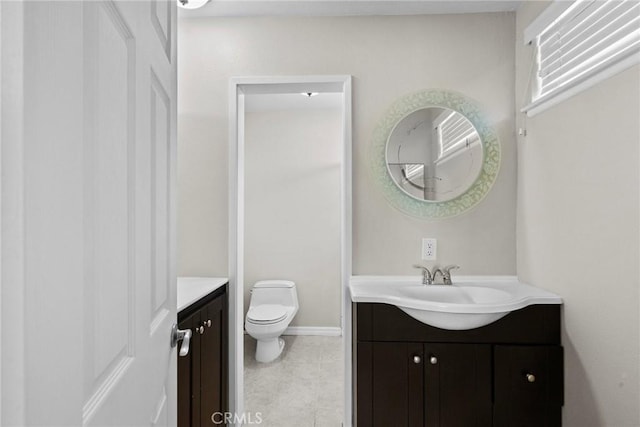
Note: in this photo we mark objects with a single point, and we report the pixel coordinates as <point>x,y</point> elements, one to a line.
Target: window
<point>579,44</point>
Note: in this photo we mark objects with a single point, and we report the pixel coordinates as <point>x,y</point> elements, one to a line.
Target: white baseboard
<point>326,331</point>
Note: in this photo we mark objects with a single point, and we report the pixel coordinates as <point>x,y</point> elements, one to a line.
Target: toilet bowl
<point>273,305</point>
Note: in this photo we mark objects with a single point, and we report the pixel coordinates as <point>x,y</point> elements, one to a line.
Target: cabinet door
<point>189,376</point>
<point>213,361</point>
<point>457,385</point>
<point>528,386</point>
<point>390,384</point>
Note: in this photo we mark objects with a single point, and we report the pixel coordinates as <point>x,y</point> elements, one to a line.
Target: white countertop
<point>470,302</point>
<point>191,289</point>
<point>384,289</point>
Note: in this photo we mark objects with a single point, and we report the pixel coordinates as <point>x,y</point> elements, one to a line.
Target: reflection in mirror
<point>434,154</point>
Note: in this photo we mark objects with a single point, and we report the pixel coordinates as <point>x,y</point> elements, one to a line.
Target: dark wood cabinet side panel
<point>189,375</point>
<point>211,363</point>
<point>363,385</point>
<point>225,351</point>
<point>363,321</point>
<point>196,373</point>
<point>185,366</point>
<point>536,324</point>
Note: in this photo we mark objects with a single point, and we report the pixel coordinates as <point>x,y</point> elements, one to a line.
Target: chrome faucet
<point>437,271</point>
<point>427,278</point>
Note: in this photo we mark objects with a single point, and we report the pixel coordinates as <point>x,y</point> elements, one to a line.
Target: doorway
<point>240,88</point>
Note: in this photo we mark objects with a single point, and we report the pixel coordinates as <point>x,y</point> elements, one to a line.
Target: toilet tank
<point>281,292</point>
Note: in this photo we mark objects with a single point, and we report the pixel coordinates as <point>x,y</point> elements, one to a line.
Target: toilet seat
<point>265,314</point>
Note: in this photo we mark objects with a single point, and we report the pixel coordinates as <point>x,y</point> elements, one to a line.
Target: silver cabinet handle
<point>209,323</point>
<point>417,359</point>
<point>433,360</point>
<point>531,378</point>
<point>180,334</point>
<point>201,330</point>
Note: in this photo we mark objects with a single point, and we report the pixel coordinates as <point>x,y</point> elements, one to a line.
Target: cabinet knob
<point>417,359</point>
<point>209,323</point>
<point>201,330</point>
<point>433,360</point>
<point>531,378</point>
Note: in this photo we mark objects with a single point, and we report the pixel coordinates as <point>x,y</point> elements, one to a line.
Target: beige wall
<point>292,223</point>
<point>388,58</point>
<point>578,235</point>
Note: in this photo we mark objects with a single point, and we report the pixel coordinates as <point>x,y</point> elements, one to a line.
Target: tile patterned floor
<point>302,388</point>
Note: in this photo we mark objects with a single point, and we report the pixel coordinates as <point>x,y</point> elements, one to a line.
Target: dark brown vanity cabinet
<point>506,374</point>
<point>202,374</point>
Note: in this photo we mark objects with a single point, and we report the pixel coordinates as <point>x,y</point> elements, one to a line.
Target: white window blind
<point>455,133</point>
<point>587,38</point>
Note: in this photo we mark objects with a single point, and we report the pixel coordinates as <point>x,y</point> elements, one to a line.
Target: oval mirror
<point>434,154</point>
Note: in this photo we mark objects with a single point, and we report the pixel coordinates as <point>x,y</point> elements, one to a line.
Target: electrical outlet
<point>429,246</point>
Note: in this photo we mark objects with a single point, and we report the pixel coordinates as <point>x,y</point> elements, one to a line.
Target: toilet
<point>273,305</point>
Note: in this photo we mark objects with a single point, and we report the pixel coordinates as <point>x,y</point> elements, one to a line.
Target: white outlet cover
<point>429,249</point>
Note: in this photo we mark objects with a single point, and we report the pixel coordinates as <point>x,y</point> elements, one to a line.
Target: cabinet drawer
<point>528,386</point>
<point>535,324</point>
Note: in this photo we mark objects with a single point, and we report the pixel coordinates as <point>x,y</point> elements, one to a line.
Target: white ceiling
<point>291,101</point>
<point>347,7</point>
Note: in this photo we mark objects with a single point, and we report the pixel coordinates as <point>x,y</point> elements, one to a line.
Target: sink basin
<point>471,302</point>
<point>438,294</point>
<point>455,294</point>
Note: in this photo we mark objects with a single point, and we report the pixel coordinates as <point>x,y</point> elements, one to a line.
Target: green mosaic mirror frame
<point>435,209</point>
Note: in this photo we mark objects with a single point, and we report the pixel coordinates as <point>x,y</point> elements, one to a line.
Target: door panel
<point>160,116</point>
<point>397,384</point>
<point>457,385</point>
<point>162,24</point>
<point>99,156</point>
<point>524,401</point>
<point>109,194</point>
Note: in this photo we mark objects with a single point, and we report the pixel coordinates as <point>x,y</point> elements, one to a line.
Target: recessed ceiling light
<point>192,4</point>
<point>309,94</point>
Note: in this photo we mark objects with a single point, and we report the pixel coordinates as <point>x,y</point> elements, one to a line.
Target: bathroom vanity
<point>203,372</point>
<point>508,373</point>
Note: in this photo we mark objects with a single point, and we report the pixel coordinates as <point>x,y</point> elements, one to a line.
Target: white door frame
<point>238,87</point>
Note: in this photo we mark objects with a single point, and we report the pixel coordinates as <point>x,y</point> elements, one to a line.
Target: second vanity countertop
<point>191,289</point>
<point>470,302</point>
<point>389,290</point>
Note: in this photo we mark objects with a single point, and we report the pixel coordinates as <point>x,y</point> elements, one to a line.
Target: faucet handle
<point>448,268</point>
<point>427,278</point>
<point>424,269</point>
<point>446,273</point>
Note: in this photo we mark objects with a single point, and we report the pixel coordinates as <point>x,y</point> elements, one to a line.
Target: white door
<point>97,237</point>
